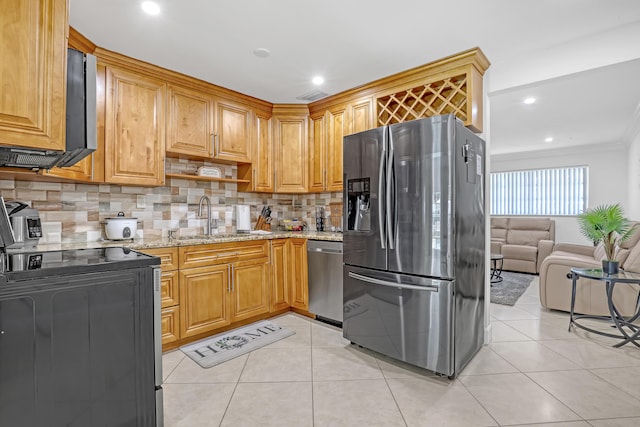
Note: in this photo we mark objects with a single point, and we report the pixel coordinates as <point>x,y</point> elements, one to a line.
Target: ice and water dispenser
<point>359,202</point>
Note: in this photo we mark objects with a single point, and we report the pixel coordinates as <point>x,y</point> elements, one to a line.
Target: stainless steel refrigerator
<point>414,237</point>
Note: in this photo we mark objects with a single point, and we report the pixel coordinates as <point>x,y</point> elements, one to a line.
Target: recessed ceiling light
<point>262,52</point>
<point>150,7</point>
<point>317,80</point>
<point>530,100</point>
<point>549,139</point>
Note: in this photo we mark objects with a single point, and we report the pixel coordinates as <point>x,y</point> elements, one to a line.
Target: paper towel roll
<point>243,219</point>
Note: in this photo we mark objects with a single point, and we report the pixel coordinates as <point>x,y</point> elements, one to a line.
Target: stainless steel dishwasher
<point>325,280</point>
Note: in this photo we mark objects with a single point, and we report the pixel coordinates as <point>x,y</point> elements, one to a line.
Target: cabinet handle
<point>275,179</point>
<point>253,178</point>
<point>233,280</point>
<point>229,278</point>
<point>213,144</point>
<point>324,182</point>
<point>223,254</point>
<point>216,144</point>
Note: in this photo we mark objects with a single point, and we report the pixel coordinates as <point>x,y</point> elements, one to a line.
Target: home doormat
<point>214,350</point>
<point>510,288</point>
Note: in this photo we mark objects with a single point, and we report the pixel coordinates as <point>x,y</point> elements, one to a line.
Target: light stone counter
<point>141,244</point>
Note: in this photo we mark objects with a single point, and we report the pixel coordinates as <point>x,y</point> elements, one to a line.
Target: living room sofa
<point>591,298</point>
<point>524,242</point>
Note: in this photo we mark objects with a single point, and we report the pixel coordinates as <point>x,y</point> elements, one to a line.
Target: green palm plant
<point>606,224</point>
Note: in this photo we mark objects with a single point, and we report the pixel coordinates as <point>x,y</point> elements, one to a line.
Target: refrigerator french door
<point>414,217</point>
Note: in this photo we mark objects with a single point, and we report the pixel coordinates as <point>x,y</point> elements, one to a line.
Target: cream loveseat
<point>523,242</point>
<point>555,287</point>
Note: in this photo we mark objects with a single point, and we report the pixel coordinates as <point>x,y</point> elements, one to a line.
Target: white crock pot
<point>121,227</point>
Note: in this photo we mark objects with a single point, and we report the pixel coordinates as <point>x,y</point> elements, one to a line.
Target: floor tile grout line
<point>554,396</point>
<point>226,409</point>
<point>613,384</point>
<point>392,395</point>
<point>478,401</point>
<point>174,368</point>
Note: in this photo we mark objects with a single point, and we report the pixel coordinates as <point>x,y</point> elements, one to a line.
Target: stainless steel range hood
<point>81,138</point>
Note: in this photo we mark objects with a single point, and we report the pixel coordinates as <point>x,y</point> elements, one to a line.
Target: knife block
<point>261,225</point>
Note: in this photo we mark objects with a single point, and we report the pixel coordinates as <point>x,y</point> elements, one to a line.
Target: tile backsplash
<point>75,212</point>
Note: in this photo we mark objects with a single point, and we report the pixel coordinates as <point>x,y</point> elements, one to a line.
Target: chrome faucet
<point>208,227</point>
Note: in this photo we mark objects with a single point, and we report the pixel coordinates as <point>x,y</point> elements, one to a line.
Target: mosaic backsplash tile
<point>75,212</point>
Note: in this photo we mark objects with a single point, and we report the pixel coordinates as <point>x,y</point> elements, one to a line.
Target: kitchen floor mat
<point>219,348</point>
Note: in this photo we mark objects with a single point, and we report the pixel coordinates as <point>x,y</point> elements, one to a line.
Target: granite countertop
<point>188,240</point>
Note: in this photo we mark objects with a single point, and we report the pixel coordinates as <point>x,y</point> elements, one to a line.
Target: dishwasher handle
<point>325,250</point>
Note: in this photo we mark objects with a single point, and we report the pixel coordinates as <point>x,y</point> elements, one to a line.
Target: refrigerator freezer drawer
<point>407,318</point>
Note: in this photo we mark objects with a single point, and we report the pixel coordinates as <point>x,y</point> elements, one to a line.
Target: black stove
<point>38,264</point>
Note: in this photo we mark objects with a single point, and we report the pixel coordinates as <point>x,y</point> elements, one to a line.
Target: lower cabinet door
<point>299,279</point>
<point>204,301</point>
<point>170,322</point>
<point>280,287</point>
<point>249,289</point>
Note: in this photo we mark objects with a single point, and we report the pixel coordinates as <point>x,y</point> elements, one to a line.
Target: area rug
<point>511,288</point>
<point>214,350</point>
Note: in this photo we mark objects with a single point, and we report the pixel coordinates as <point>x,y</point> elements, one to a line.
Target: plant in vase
<point>606,224</point>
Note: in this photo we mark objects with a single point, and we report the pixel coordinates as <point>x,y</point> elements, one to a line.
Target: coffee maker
<point>25,221</point>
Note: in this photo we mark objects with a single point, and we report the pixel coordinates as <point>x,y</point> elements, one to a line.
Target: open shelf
<point>206,178</point>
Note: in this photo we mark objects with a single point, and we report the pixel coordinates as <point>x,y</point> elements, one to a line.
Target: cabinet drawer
<point>220,253</point>
<point>169,290</point>
<point>169,320</point>
<point>168,257</point>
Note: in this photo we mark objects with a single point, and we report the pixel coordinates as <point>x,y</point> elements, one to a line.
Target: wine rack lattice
<point>446,96</point>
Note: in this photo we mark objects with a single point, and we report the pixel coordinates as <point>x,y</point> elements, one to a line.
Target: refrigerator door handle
<point>389,196</point>
<point>381,197</point>
<point>391,284</point>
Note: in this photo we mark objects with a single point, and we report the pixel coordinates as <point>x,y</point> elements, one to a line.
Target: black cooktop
<point>39,264</point>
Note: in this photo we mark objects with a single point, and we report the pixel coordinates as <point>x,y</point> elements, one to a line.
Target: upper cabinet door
<point>33,48</point>
<point>190,127</point>
<point>233,132</point>
<point>335,133</point>
<point>134,129</point>
<point>317,154</point>
<point>290,140</point>
<point>361,115</point>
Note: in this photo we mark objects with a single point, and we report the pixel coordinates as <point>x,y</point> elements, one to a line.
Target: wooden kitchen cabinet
<point>335,133</point>
<point>134,128</point>
<point>222,283</point>
<point>249,289</point>
<point>290,143</point>
<point>280,275</point>
<point>203,126</point>
<point>190,123</point>
<point>169,293</point>
<point>317,153</point>
<point>360,117</point>
<point>204,299</point>
<point>33,73</point>
<point>299,270</point>
<point>233,124</point>
<point>327,129</point>
<point>259,172</point>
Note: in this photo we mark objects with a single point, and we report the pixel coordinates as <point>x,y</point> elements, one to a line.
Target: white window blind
<point>558,191</point>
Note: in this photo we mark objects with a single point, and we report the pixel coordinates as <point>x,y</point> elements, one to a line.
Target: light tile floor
<point>534,373</point>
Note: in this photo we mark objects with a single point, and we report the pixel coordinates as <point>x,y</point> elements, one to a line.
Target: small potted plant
<point>606,224</point>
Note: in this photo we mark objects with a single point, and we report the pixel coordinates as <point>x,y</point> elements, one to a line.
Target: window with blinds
<point>558,191</point>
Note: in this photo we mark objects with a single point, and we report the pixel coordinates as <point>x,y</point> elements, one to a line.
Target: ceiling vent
<point>313,95</point>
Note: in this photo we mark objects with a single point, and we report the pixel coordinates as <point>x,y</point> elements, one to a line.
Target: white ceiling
<point>578,57</point>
